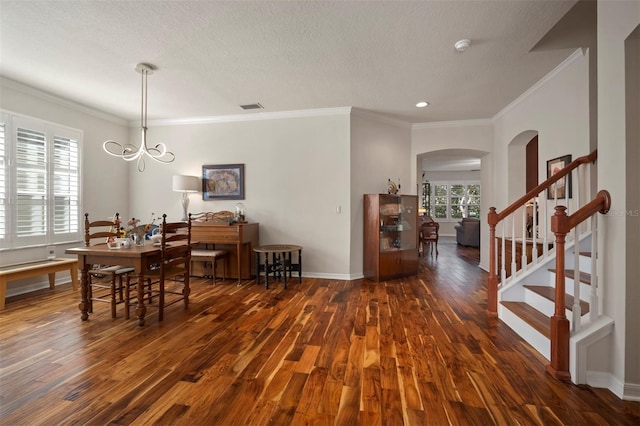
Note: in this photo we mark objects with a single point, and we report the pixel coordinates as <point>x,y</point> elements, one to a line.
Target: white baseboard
<point>28,288</point>
<point>606,380</point>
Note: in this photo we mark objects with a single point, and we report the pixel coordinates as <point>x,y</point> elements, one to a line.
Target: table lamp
<point>185,184</point>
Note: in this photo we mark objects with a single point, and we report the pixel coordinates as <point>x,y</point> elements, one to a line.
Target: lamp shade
<point>186,183</point>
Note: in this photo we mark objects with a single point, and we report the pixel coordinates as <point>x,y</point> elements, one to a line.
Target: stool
<point>211,256</point>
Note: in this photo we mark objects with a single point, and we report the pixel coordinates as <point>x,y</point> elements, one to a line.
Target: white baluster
<point>594,303</point>
<point>514,266</point>
<point>577,310</point>
<point>503,271</point>
<point>523,258</point>
<point>545,232</point>
<point>534,249</point>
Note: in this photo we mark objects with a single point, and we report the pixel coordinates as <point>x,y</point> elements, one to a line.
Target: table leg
<point>141,310</point>
<point>52,280</point>
<point>84,292</point>
<point>299,266</point>
<point>3,291</point>
<point>74,276</point>
<point>239,255</point>
<point>284,268</point>
<point>257,268</point>
<point>266,270</point>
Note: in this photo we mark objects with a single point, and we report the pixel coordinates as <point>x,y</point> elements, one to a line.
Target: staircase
<point>547,288</point>
<point>528,304</point>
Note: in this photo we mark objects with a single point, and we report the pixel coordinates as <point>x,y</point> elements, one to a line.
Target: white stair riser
<point>524,330</point>
<point>544,305</point>
<point>585,289</point>
<point>585,264</point>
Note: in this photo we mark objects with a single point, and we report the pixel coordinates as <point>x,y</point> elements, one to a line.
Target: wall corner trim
<point>320,112</point>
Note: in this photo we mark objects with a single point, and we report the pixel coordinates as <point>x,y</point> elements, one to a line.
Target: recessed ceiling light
<point>422,104</point>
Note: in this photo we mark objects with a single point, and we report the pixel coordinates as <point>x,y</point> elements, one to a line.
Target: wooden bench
<point>22,270</point>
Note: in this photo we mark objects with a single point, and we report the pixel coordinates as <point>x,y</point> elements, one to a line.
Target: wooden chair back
<point>176,246</point>
<point>429,233</point>
<point>429,230</point>
<point>106,229</point>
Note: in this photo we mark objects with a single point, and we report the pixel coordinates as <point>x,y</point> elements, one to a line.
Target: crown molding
<point>320,112</point>
<point>458,123</point>
<point>574,57</point>
<point>57,100</point>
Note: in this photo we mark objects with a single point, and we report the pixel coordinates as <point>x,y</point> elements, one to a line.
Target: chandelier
<point>129,152</point>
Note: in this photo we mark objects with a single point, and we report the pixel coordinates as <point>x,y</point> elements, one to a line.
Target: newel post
<point>492,281</point>
<point>559,364</point>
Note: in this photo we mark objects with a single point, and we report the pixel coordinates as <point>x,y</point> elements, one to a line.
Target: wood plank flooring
<point>414,351</point>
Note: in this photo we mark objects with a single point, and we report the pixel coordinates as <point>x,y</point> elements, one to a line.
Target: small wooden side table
<point>281,262</point>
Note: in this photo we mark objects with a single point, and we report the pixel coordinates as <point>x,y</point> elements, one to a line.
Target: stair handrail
<point>493,218</point>
<point>561,225</point>
<point>591,158</point>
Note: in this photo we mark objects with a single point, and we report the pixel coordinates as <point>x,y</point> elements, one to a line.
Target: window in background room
<point>440,201</point>
<point>40,182</point>
<point>454,200</point>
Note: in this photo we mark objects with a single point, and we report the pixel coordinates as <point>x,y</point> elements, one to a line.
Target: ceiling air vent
<point>252,106</point>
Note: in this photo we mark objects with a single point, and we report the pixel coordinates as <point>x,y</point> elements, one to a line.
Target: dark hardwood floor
<point>414,351</point>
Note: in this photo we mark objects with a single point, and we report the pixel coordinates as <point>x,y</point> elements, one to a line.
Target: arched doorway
<point>450,187</point>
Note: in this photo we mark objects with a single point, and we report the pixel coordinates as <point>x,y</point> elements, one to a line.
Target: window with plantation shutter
<point>31,183</point>
<point>40,182</point>
<point>65,185</point>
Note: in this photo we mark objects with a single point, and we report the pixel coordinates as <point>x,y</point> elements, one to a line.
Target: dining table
<point>139,257</point>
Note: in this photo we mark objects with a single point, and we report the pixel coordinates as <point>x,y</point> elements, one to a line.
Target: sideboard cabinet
<point>390,236</point>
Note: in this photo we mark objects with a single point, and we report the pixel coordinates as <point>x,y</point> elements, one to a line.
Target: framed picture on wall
<point>562,188</point>
<point>223,182</point>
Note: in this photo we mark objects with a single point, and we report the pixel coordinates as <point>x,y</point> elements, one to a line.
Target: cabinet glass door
<point>408,217</point>
<point>389,223</point>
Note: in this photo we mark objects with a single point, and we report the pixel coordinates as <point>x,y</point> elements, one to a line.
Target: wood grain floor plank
<point>413,351</point>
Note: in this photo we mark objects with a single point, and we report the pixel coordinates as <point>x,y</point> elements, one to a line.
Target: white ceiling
<point>212,56</point>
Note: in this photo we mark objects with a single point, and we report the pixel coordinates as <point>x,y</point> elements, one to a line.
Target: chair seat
<point>207,253</point>
<point>211,256</point>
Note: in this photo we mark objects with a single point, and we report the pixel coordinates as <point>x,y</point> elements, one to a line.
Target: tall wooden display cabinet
<point>390,236</point>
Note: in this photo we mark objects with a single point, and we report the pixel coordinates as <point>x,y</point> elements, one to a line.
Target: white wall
<point>380,150</point>
<point>616,20</point>
<point>105,182</point>
<point>296,177</point>
<point>557,107</point>
<point>475,135</point>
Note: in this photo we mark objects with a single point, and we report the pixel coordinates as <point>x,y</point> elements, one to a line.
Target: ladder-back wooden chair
<point>105,281</point>
<point>429,234</point>
<point>175,261</point>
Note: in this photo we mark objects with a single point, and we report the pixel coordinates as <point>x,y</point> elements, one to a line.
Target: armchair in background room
<point>468,232</point>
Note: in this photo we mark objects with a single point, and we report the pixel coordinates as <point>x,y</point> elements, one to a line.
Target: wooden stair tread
<point>584,277</point>
<point>585,253</point>
<point>550,294</point>
<point>536,319</point>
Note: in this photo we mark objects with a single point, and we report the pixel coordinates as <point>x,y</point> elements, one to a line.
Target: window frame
<point>54,134</point>
<point>435,185</point>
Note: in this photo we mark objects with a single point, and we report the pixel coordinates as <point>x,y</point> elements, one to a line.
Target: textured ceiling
<point>381,56</point>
